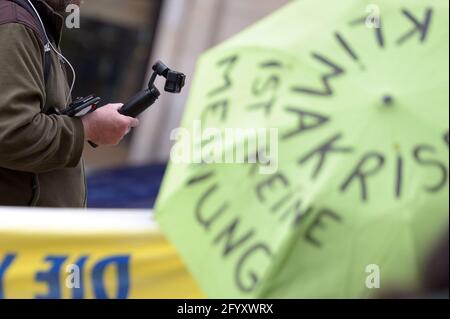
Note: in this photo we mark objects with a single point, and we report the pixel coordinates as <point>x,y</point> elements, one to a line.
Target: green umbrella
<point>329,174</point>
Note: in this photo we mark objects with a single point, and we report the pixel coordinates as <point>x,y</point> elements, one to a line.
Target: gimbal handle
<point>140,102</point>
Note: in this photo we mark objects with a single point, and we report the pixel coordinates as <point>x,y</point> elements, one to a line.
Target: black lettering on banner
<point>346,46</point>
<point>229,63</point>
<point>278,205</point>
<point>399,177</point>
<point>269,184</point>
<point>198,179</point>
<point>229,235</point>
<point>327,90</point>
<point>328,148</point>
<point>263,86</point>
<point>318,223</point>
<point>418,155</point>
<point>361,174</point>
<point>307,121</point>
<point>379,34</point>
<point>272,64</point>
<point>271,83</point>
<point>254,277</point>
<point>378,31</point>
<point>267,86</point>
<point>266,106</point>
<point>295,209</point>
<point>204,221</point>
<point>299,211</point>
<point>221,106</point>
<point>257,159</point>
<point>419,27</point>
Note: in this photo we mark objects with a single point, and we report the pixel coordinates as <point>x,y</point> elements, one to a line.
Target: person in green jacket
<point>41,155</point>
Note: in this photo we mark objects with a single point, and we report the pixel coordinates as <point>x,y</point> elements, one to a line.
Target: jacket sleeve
<point>31,141</point>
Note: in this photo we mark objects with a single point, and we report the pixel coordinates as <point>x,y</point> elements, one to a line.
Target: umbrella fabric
<point>353,97</point>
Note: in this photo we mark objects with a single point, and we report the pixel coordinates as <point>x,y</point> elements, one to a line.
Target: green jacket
<point>40,155</point>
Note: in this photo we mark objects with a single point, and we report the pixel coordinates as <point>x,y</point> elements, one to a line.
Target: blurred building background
<point>188,28</point>
<point>113,51</point>
<point>110,52</point>
<point>120,39</point>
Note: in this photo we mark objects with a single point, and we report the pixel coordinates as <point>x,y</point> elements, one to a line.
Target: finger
<point>134,122</point>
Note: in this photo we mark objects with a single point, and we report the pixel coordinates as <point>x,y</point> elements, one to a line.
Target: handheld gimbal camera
<point>139,103</point>
<point>175,82</point>
<point>143,100</point>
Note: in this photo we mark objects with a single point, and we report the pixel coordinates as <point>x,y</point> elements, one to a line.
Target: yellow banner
<point>88,254</point>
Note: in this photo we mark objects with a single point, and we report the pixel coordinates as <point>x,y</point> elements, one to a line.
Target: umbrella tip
<point>388,100</point>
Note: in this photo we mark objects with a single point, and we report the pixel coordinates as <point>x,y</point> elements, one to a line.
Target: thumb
<point>116,106</point>
<point>133,122</point>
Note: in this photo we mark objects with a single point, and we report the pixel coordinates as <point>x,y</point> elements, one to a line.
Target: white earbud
<point>51,47</point>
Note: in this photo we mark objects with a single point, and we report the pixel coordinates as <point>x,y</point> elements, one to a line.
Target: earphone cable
<point>57,52</point>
